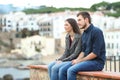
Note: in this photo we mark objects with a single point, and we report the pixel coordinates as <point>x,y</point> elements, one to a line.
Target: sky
<point>54,3</point>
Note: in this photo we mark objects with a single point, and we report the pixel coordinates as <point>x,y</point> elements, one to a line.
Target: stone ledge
<point>95,74</point>
<point>38,67</point>
<point>102,74</point>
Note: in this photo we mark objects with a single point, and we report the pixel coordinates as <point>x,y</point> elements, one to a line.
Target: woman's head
<point>71,25</point>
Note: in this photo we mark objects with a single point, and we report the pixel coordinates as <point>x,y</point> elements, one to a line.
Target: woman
<point>72,48</point>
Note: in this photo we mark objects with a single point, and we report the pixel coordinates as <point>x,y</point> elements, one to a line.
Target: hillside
<point>102,6</point>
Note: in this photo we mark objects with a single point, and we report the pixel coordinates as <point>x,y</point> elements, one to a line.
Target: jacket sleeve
<point>66,52</point>
<point>76,52</point>
<point>64,55</point>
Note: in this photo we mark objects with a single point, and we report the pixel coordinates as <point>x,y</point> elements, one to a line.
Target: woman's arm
<point>75,53</point>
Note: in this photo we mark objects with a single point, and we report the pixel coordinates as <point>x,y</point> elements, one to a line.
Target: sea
<point>18,73</point>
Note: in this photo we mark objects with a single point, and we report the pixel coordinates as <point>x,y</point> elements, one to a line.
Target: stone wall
<point>40,72</point>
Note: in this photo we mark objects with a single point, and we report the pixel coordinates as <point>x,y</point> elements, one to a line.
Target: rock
<point>8,77</point>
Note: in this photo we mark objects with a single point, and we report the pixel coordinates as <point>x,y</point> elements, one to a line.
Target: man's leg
<point>83,66</point>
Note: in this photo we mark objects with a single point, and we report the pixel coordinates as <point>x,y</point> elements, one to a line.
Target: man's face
<point>81,22</point>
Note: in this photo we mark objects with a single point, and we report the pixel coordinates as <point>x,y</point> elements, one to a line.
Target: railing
<point>112,64</point>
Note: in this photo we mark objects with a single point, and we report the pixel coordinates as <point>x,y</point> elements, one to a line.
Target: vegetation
<point>25,32</point>
<point>105,7</point>
<point>115,7</point>
<point>50,10</point>
<point>110,9</point>
<point>99,6</point>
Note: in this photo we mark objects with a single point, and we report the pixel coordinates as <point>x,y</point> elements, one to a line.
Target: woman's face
<point>68,27</point>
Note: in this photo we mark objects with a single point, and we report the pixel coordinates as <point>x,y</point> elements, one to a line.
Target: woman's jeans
<point>67,71</point>
<point>54,69</point>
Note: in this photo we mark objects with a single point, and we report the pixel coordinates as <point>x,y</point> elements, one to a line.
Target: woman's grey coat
<point>71,52</point>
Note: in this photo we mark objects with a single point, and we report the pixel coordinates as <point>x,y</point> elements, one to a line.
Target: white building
<point>105,22</point>
<point>19,20</point>
<point>112,40</point>
<point>52,25</point>
<point>37,45</point>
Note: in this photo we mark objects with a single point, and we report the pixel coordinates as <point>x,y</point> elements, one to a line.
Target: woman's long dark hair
<point>74,25</point>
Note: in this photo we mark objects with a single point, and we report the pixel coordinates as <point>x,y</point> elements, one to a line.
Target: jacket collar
<point>75,36</point>
<point>89,28</point>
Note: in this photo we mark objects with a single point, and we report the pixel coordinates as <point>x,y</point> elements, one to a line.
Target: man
<point>92,57</point>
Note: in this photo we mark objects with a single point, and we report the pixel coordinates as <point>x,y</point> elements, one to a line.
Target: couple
<point>83,52</point>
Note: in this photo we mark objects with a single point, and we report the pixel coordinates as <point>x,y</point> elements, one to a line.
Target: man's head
<point>84,19</point>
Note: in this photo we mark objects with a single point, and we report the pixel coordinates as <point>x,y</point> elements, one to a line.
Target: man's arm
<point>89,57</point>
<point>82,58</point>
<point>81,55</point>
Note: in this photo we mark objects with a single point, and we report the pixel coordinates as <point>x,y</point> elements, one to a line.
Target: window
<point>9,25</point>
<point>112,45</point>
<point>108,45</point>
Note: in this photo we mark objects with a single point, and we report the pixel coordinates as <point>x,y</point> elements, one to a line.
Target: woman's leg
<point>83,66</point>
<point>50,67</point>
<point>63,71</point>
<point>55,70</point>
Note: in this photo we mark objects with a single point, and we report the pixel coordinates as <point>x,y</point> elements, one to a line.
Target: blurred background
<point>32,31</point>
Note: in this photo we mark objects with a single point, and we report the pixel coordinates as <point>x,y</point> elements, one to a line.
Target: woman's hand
<point>57,62</point>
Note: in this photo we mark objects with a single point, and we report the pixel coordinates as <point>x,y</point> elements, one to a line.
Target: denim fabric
<point>69,71</point>
<point>53,69</point>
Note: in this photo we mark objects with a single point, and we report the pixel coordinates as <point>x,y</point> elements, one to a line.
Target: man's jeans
<point>67,71</point>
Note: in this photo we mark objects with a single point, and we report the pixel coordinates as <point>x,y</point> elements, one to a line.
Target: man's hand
<point>78,59</point>
<point>75,61</point>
